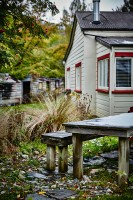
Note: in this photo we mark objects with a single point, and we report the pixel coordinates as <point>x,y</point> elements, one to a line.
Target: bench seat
<point>61,139</point>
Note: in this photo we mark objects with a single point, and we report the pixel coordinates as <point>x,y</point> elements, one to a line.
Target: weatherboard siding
<point>102,104</point>
<point>102,99</point>
<point>101,50</point>
<point>122,103</point>
<point>75,56</point>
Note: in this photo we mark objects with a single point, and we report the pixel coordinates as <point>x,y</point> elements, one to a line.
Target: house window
<point>103,71</point>
<point>78,77</point>
<point>68,78</point>
<point>123,72</point>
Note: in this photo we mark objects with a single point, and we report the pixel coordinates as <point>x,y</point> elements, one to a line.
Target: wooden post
<point>77,156</point>
<point>123,165</point>
<point>51,152</point>
<point>63,159</point>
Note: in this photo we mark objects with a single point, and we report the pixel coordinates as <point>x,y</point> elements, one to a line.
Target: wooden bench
<point>61,139</point>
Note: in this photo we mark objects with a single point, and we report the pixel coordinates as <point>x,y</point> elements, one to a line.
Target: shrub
<point>53,112</point>
<point>11,128</point>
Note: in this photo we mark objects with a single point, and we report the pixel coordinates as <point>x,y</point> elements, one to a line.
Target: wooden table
<point>119,125</point>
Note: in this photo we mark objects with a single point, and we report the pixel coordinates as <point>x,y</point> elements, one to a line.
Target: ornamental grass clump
<point>11,128</point>
<point>53,112</point>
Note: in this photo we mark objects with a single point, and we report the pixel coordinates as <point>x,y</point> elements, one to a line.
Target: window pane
<point>78,78</point>
<point>106,73</point>
<point>68,79</point>
<point>103,73</point>
<point>123,73</point>
<point>99,73</point>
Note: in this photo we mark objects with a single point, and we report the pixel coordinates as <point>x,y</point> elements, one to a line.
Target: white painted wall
<point>102,104</point>
<point>122,103</point>
<point>86,50</point>
<point>75,56</point>
<point>89,73</point>
<point>102,99</point>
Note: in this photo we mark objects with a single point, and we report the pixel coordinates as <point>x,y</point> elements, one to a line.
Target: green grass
<point>30,146</point>
<point>99,145</point>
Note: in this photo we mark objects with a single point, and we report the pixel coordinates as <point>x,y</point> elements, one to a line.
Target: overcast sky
<point>105,5</point>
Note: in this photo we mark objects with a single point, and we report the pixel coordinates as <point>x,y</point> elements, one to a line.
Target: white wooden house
<point>99,60</point>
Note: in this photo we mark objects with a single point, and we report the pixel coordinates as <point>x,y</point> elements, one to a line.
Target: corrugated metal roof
<point>109,20</point>
<point>116,41</point>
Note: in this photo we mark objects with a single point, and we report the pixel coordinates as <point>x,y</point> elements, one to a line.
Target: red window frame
<point>106,56</point>
<point>77,65</point>
<point>68,70</point>
<point>128,55</point>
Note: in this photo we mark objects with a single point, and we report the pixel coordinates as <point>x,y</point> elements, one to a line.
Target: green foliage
<point>126,196</point>
<point>99,145</point>
<point>19,18</point>
<point>77,5</point>
<point>30,146</point>
<point>128,6</point>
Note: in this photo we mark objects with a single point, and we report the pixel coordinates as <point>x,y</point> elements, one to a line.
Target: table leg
<point>123,165</point>
<point>77,156</point>
<point>63,159</point>
<point>51,152</point>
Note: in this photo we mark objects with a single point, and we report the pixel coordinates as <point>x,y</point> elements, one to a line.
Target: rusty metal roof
<point>109,20</point>
<point>116,41</point>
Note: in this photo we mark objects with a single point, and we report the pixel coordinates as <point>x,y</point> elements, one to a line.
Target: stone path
<point>25,172</point>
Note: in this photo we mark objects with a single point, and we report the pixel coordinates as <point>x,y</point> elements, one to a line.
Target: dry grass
<point>18,125</point>
<point>51,116</point>
<point>11,122</point>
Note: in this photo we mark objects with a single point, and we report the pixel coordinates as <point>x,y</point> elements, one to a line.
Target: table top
<point>118,122</point>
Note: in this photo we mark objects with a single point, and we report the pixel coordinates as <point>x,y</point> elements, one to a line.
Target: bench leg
<point>123,165</point>
<point>77,156</point>
<point>50,156</point>
<point>63,159</point>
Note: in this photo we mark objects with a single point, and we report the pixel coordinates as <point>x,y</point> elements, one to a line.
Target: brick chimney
<point>96,12</point>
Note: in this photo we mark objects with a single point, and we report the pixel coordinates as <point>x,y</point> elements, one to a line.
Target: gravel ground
<point>22,175</point>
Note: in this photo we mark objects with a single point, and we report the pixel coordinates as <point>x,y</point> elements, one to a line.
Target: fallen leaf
<point>41,192</point>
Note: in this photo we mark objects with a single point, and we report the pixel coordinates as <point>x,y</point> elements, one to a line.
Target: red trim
<point>122,92</point>
<point>78,91</point>
<point>123,54</point>
<point>68,69</point>
<point>102,91</point>
<point>78,64</point>
<point>104,57</point>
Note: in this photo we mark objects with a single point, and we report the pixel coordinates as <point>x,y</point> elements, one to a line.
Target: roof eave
<point>106,29</point>
<point>104,43</point>
<point>71,39</point>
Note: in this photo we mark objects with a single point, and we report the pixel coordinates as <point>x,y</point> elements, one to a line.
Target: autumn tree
<point>20,18</point>
<point>77,5</point>
<point>128,6</point>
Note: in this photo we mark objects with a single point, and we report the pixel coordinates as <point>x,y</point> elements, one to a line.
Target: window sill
<point>78,91</point>
<point>122,92</point>
<point>102,91</point>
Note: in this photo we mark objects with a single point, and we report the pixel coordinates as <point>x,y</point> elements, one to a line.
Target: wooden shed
<point>10,90</point>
